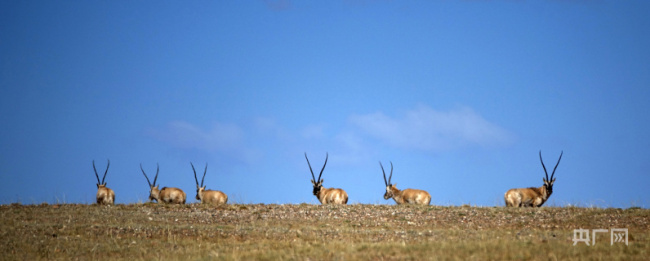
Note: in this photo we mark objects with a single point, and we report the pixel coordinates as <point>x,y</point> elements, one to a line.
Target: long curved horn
<point>157,170</point>
<point>205,171</point>
<point>197,180</point>
<point>382,170</point>
<point>558,163</point>
<point>540,159</point>
<point>98,182</point>
<point>321,171</point>
<point>107,166</point>
<point>391,173</point>
<point>312,172</point>
<point>145,175</point>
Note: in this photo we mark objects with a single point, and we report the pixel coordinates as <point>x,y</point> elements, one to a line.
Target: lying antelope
<point>532,197</point>
<point>167,195</point>
<point>407,196</point>
<point>326,195</point>
<point>208,196</point>
<point>104,194</point>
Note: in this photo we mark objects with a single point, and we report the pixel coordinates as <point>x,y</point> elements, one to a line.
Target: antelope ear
<point>312,182</point>
<point>552,181</point>
<point>97,185</point>
<point>545,181</point>
<point>321,182</point>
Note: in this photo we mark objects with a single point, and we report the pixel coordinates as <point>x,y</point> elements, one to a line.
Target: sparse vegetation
<point>314,232</point>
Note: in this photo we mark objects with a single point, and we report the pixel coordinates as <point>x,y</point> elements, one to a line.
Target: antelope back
<point>416,196</point>
<point>333,196</point>
<point>526,197</point>
<point>172,195</point>
<point>212,196</point>
<point>408,196</point>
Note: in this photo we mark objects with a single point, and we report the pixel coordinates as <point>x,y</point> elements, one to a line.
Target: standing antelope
<point>208,196</point>
<point>167,195</point>
<point>326,195</point>
<point>104,194</point>
<point>407,196</point>
<point>532,197</point>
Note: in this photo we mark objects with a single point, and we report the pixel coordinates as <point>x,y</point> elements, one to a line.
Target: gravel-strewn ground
<point>242,232</point>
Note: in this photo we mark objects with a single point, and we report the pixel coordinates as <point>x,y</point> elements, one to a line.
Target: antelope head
<point>199,188</point>
<point>101,184</point>
<point>154,192</point>
<point>548,183</point>
<point>318,183</point>
<point>389,191</point>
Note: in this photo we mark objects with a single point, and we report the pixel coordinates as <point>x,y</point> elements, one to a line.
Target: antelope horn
<point>321,171</point>
<point>96,173</point>
<point>145,175</point>
<point>558,163</point>
<point>382,170</point>
<point>540,159</point>
<point>391,173</point>
<point>103,178</point>
<point>205,171</point>
<point>197,180</point>
<point>157,170</point>
<point>312,172</point>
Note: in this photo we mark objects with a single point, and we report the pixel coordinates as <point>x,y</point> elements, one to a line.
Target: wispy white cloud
<point>421,128</point>
<point>345,144</point>
<point>313,132</point>
<point>427,129</point>
<point>352,147</point>
<point>221,138</point>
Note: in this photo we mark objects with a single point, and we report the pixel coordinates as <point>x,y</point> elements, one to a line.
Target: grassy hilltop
<point>315,232</point>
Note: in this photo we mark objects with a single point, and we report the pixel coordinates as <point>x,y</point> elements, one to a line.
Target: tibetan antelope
<point>532,197</point>
<point>407,196</point>
<point>104,194</point>
<point>208,196</point>
<point>167,195</point>
<point>326,195</point>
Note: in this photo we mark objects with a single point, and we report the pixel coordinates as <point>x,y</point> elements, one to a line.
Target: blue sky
<point>459,95</point>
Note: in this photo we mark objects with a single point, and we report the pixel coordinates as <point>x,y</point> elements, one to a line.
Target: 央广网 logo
<point>618,235</point>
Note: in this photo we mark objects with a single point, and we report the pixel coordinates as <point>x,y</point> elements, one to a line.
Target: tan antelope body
<point>105,195</point>
<point>208,196</point>
<point>407,196</point>
<point>532,197</point>
<point>166,195</point>
<point>326,195</point>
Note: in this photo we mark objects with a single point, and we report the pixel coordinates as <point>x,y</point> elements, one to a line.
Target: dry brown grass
<point>314,232</point>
